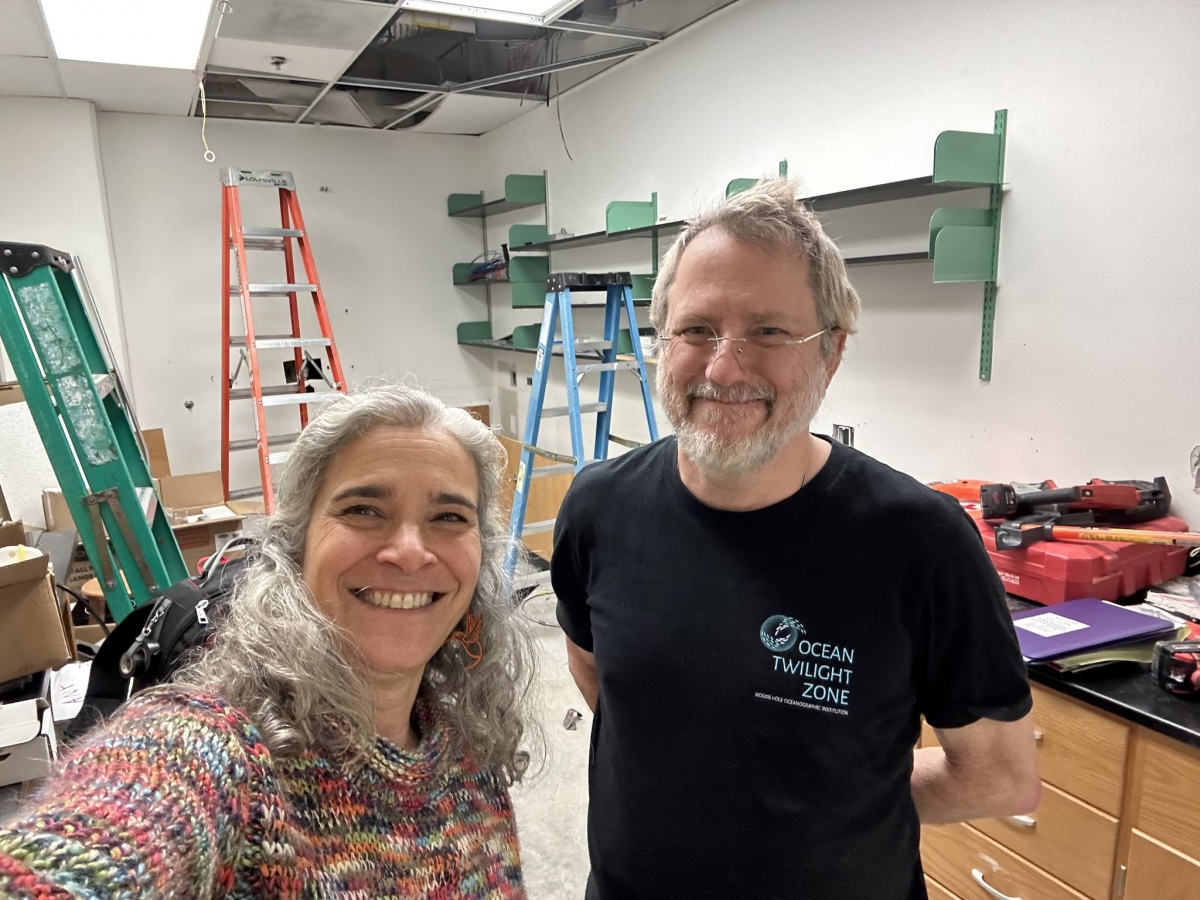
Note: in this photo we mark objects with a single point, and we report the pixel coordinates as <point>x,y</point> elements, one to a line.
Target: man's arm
<point>583,669</point>
<point>984,770</point>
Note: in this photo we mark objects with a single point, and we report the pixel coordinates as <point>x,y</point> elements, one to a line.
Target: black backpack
<point>149,643</point>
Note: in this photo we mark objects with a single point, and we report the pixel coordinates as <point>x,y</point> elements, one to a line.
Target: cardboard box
<point>57,513</point>
<point>27,742</point>
<point>156,448</point>
<point>195,505</point>
<point>10,392</point>
<point>34,622</point>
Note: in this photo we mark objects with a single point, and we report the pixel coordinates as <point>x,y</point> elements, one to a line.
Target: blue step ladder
<point>601,357</point>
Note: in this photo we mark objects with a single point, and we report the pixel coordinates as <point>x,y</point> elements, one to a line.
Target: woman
<point>353,730</point>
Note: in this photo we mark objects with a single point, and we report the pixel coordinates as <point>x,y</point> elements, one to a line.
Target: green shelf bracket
<point>525,337</point>
<point>626,215</point>
<point>529,189</point>
<point>456,203</point>
<point>528,294</point>
<point>967,157</point>
<point>462,273</point>
<point>738,185</point>
<point>529,268</point>
<point>474,331</point>
<point>744,184</point>
<point>520,235</point>
<point>965,243</point>
<point>643,286</point>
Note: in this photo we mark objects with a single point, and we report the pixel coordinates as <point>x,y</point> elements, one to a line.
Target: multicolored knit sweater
<point>177,797</point>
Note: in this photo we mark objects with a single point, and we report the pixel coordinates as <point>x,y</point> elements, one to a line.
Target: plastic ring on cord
<point>209,156</point>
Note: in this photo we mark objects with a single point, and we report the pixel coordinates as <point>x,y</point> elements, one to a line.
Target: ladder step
<point>548,471</point>
<point>590,345</point>
<point>278,457</point>
<point>274,290</point>
<point>258,243</point>
<point>104,385</point>
<point>538,527</point>
<point>285,395</point>
<point>607,367</point>
<point>148,501</point>
<point>268,231</point>
<point>551,412</point>
<point>245,493</point>
<point>281,440</point>
<point>279,342</point>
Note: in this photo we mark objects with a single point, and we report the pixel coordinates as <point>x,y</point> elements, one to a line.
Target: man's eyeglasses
<point>700,338</point>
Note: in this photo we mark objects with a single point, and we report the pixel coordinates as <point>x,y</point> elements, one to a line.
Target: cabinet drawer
<point>936,891</point>
<point>1158,872</point>
<point>1170,793</point>
<point>959,857</point>
<point>1068,839</point>
<point>1080,751</point>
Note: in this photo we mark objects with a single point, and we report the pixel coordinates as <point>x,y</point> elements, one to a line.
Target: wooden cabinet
<point>1158,872</point>
<point>937,892</point>
<point>1119,818</point>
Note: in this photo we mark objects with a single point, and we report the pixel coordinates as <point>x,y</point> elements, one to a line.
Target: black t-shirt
<point>762,675</point>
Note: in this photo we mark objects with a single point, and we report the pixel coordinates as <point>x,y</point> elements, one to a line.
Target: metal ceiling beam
<point>561,66</point>
<point>417,106</point>
<point>636,34</point>
<point>372,83</point>
<point>392,10</point>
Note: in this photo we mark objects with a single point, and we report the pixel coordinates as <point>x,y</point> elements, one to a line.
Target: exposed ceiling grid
<point>358,63</point>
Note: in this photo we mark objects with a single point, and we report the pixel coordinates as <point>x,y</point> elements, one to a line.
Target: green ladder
<point>79,406</point>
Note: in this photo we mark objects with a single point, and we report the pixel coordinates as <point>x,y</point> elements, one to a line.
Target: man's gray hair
<point>768,215</point>
<point>278,658</point>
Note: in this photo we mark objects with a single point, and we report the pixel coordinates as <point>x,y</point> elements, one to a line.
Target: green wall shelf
<point>529,294</point>
<point>520,192</point>
<point>631,215</point>
<point>965,243</point>
<point>519,235</point>
<point>744,184</point>
<point>469,332</point>
<point>529,268</point>
<point>462,276</point>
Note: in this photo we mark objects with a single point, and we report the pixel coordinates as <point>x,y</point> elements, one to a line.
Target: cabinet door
<point>1158,872</point>
<point>937,892</point>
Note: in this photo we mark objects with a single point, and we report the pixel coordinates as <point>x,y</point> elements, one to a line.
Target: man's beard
<point>720,456</point>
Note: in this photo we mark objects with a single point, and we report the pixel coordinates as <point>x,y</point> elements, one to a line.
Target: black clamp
<point>585,281</point>
<point>18,260</point>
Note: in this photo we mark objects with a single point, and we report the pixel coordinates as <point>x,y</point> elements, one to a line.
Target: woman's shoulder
<point>186,718</point>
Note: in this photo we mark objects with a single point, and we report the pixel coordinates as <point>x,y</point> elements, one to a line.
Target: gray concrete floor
<point>551,807</point>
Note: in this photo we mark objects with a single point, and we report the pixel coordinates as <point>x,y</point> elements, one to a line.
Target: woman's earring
<point>468,637</point>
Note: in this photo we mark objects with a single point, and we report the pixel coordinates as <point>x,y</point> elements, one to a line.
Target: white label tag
<point>1050,624</point>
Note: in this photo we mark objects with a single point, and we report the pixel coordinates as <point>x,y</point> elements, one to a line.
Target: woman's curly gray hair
<point>293,672</point>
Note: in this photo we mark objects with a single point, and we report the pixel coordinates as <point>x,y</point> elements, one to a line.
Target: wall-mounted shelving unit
<point>964,244</point>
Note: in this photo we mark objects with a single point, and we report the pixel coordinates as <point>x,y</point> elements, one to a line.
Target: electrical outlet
<point>512,378</point>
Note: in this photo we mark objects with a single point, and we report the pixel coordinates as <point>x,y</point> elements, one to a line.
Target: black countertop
<point>1129,690</point>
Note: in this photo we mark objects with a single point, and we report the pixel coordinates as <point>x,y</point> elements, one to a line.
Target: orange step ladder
<point>299,390</point>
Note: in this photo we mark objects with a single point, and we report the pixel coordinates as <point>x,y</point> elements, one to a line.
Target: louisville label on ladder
<point>250,346</point>
<point>82,415</point>
<point>602,359</point>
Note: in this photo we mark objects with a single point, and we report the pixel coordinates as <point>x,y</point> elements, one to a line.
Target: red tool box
<point>1053,571</point>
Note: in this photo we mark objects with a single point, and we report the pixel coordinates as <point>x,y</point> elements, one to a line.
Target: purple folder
<point>1080,625</point>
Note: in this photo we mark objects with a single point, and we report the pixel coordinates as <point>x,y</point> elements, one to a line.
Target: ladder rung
<point>279,342</point>
<point>548,471</point>
<point>104,385</point>
<point>259,243</point>
<point>591,345</point>
<point>607,367</point>
<point>274,290</point>
<point>300,399</point>
<point>268,231</point>
<point>538,527</point>
<point>245,493</point>
<point>278,457</point>
<point>281,440</point>
<point>551,412</point>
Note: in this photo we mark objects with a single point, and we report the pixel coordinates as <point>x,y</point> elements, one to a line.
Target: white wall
<point>1096,365</point>
<point>383,243</point>
<point>51,192</point>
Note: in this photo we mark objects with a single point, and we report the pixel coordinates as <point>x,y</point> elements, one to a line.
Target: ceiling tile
<point>21,33</point>
<point>467,114</point>
<point>307,23</point>
<point>130,88</point>
<point>27,76</point>
<point>302,62</point>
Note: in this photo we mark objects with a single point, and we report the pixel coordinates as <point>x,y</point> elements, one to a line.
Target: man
<point>759,617</point>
